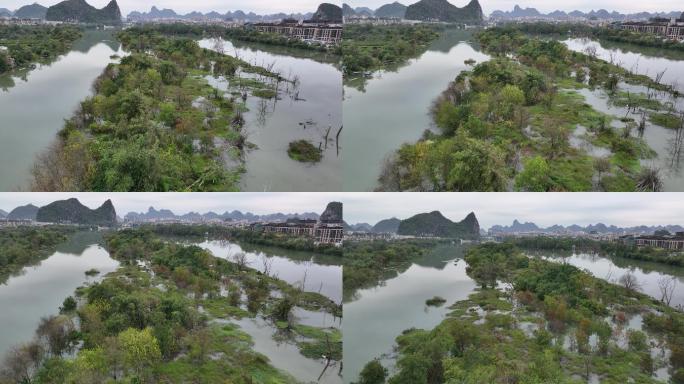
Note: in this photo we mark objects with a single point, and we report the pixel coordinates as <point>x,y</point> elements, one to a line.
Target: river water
<point>34,103</point>
<point>40,290</point>
<point>378,315</point>
<point>390,109</point>
<point>309,112</point>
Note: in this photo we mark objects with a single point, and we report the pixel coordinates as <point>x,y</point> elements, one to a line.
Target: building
<point>671,29</point>
<point>321,33</point>
<point>673,243</point>
<point>322,233</point>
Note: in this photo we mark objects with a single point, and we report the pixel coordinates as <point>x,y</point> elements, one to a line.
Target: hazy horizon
<point>260,7</point>
<point>488,6</point>
<point>260,203</point>
<point>544,209</point>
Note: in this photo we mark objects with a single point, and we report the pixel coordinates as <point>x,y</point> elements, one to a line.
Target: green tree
<point>535,176</point>
<point>373,373</point>
<point>139,349</point>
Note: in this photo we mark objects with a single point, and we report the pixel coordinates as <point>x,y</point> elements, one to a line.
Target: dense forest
<point>557,324</point>
<point>367,47</point>
<point>506,125</point>
<point>161,317</point>
<point>25,246</point>
<point>27,45</point>
<point>155,123</point>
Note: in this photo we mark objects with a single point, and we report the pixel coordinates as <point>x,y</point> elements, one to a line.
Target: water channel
<point>391,108</point>
<point>309,111</point>
<point>40,290</point>
<point>35,102</point>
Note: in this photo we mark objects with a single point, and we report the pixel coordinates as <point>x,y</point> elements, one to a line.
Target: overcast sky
<point>181,203</point>
<point>548,6</point>
<point>544,209</point>
<point>185,6</point>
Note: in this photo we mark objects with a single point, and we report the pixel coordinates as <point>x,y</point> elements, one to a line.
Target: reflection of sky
<point>548,6</point>
<point>184,6</point>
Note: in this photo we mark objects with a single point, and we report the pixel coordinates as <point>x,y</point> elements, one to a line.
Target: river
<point>40,290</point>
<point>391,108</point>
<point>35,102</point>
<point>308,112</point>
<point>378,315</point>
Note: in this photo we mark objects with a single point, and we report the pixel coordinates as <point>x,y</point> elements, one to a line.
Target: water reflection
<point>380,314</point>
<point>34,103</point>
<point>375,126</point>
<point>307,108</point>
<point>41,289</point>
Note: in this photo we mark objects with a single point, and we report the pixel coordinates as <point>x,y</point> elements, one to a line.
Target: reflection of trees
<point>80,241</point>
<point>674,147</point>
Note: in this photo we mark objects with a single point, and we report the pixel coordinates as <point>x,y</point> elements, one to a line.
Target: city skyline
<point>260,7</point>
<point>259,203</point>
<point>544,209</point>
<point>488,6</point>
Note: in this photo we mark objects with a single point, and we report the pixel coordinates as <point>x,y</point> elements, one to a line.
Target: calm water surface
<point>378,315</point>
<point>34,103</point>
<point>40,290</point>
<point>305,113</point>
<point>382,113</point>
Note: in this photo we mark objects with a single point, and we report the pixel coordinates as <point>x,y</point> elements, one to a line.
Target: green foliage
<point>368,47</point>
<point>535,176</point>
<point>34,44</point>
<point>373,373</point>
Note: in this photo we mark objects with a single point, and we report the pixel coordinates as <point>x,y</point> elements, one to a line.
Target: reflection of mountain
<point>440,256</point>
<point>450,38</point>
<point>90,39</point>
<point>80,241</point>
<point>94,37</point>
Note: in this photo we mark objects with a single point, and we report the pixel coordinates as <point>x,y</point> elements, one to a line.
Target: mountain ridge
<point>71,210</point>
<point>442,10</point>
<point>82,12</point>
<point>435,224</point>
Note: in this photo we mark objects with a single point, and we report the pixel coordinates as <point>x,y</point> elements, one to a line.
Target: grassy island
<point>155,123</point>
<point>165,317</point>
<point>303,151</point>
<point>555,324</point>
<point>520,122</point>
<point>28,45</point>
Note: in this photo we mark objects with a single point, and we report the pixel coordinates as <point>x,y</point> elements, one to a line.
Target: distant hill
<point>435,224</point>
<point>601,14</point>
<point>598,228</point>
<point>33,11</point>
<point>348,11</point>
<point>73,211</point>
<point>152,214</point>
<point>81,11</point>
<point>4,12</point>
<point>361,227</point>
<point>3,214</point>
<point>394,10</point>
<point>387,226</point>
<point>26,212</point>
<point>328,13</point>
<point>156,13</point>
<point>332,213</point>
<point>442,10</point>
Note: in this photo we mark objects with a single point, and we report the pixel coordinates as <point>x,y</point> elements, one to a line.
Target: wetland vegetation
<point>25,46</point>
<point>520,121</point>
<point>533,320</point>
<point>172,313</point>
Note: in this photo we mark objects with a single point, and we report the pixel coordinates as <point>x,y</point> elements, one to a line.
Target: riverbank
<point>170,313</point>
<point>368,48</point>
<point>523,124</point>
<point>26,46</point>
<point>174,133</point>
<point>26,246</point>
<point>540,321</point>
